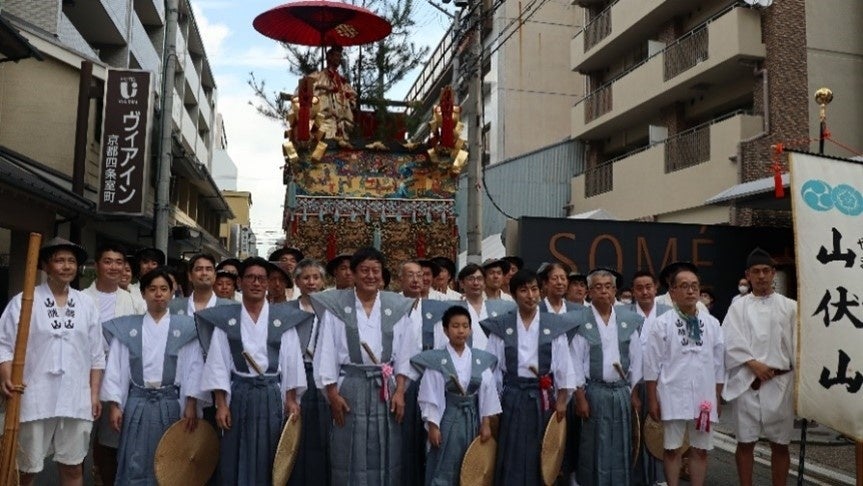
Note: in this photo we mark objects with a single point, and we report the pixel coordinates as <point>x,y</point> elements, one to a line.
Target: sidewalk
<point>830,458</point>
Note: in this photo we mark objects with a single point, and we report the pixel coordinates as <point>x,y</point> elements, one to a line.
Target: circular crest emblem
<point>546,331</point>
<point>588,326</point>
<point>232,322</point>
<point>347,310</point>
<point>176,333</point>
<point>133,332</point>
<point>388,312</point>
<point>277,323</point>
<point>509,331</point>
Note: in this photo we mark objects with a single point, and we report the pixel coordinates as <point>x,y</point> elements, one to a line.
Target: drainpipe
<point>163,181</point>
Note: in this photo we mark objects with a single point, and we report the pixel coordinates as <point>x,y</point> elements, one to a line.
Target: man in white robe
<point>112,302</point>
<point>684,371</point>
<point>146,259</point>
<point>251,375</point>
<point>760,347</point>
<point>361,347</point>
<point>63,369</point>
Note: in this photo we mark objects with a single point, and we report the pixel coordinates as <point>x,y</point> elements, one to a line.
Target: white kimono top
<point>65,343</point>
<point>686,373</point>
<point>154,338</point>
<point>528,355</point>
<point>333,351</point>
<point>220,365</point>
<point>759,328</point>
<point>432,391</point>
<point>610,353</point>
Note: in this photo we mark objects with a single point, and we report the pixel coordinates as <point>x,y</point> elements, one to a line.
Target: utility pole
<point>474,174</point>
<point>163,181</point>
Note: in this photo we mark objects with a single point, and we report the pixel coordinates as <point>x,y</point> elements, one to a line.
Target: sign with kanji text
<point>828,227</point>
<point>125,142</point>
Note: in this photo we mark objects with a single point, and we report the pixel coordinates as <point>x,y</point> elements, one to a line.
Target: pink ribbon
<point>703,421</point>
<point>386,374</point>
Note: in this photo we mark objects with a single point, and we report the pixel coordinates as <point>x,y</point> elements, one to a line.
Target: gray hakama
<point>414,435</point>
<point>367,450</point>
<point>523,420</point>
<point>606,437</point>
<point>148,412</point>
<point>460,422</point>
<point>247,450</point>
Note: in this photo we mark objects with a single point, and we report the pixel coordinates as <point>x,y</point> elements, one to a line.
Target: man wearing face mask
<point>742,289</point>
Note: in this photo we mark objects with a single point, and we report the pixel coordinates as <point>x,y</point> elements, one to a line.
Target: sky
<point>235,49</point>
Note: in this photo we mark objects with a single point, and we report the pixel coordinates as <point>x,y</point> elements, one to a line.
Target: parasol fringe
<point>9,444</point>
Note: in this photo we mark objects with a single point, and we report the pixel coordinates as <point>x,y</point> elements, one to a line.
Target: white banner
<point>828,228</point>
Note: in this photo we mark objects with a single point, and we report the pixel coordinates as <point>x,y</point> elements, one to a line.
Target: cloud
<point>212,34</point>
<point>254,144</point>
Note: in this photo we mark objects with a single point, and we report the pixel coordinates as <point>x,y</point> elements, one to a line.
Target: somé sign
<point>125,142</point>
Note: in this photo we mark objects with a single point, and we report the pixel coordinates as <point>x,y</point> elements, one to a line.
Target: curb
<point>816,474</point>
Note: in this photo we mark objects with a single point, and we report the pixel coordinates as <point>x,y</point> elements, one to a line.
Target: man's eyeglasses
<point>255,278</point>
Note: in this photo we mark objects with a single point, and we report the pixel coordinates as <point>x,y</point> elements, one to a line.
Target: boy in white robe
<point>458,375</point>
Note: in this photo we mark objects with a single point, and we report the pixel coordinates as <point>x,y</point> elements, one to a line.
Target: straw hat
<point>477,467</point>
<point>553,448</point>
<point>653,438</point>
<point>286,452</point>
<point>186,457</point>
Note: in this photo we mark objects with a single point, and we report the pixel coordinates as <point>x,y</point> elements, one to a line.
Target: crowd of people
<point>393,387</point>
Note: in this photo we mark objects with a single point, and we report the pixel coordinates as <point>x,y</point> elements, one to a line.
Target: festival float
<point>349,183</point>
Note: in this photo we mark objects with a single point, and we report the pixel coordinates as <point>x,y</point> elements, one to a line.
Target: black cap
<point>514,260</point>
<point>576,277</point>
<point>492,263</point>
<point>225,273</point>
<point>759,257</point>
<point>153,254</point>
<point>229,261</point>
<point>278,254</point>
<point>435,268</point>
<point>446,263</point>
<point>335,262</point>
<point>674,267</point>
<point>283,269</point>
<point>57,243</point>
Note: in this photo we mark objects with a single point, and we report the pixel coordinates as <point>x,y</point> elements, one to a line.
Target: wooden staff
<point>457,384</point>
<point>369,351</point>
<point>619,370</point>
<point>9,445</point>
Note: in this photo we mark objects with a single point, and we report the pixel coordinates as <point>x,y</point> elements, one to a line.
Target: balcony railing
<point>597,29</point>
<point>598,179</point>
<point>687,149</point>
<point>685,53</point>
<point>598,103</point>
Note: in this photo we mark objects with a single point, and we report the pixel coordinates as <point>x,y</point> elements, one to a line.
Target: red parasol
<point>322,23</point>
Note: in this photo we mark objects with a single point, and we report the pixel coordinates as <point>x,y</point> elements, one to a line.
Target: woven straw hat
<point>186,457</point>
<point>553,448</point>
<point>477,467</point>
<point>286,452</point>
<point>653,438</point>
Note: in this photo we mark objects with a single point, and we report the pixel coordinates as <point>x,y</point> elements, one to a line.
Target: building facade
<point>685,99</point>
<point>40,132</point>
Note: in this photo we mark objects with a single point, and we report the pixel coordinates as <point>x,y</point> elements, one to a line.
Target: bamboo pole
<point>9,445</point>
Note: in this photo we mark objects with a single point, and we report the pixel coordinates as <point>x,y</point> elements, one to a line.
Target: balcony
<point>708,57</point>
<point>193,80</point>
<point>614,31</point>
<point>178,111</point>
<point>693,163</point>
<point>190,133</point>
<point>151,12</point>
<point>101,22</point>
<point>432,75</point>
<point>145,53</point>
<point>205,111</point>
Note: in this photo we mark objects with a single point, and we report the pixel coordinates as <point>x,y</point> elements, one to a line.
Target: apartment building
<point>683,100</point>
<point>528,85</point>
<point>38,113</point>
